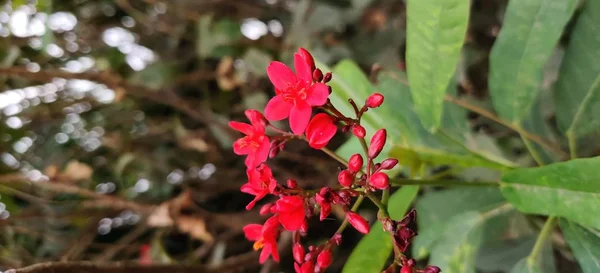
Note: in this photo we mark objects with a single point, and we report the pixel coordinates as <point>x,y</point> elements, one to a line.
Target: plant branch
<point>541,239</point>
<point>442,182</point>
<point>354,209</point>
<point>333,155</point>
<point>382,213</point>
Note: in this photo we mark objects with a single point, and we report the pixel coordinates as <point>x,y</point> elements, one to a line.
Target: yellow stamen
<point>258,245</point>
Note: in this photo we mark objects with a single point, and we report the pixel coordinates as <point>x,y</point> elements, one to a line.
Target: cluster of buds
<point>297,96</point>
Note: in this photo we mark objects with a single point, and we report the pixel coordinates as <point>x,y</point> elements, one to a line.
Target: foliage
<point>115,146</point>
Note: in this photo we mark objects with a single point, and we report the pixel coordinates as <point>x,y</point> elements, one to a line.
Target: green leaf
<point>435,33</point>
<point>525,267</point>
<point>216,38</point>
<point>577,92</point>
<point>584,244</point>
<point>530,32</point>
<point>568,189</point>
<point>457,250</point>
<point>378,243</point>
<point>435,209</point>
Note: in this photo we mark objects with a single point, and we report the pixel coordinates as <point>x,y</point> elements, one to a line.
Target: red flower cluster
<point>297,96</point>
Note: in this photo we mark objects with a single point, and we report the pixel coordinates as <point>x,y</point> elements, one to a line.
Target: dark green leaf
<point>378,244</point>
<point>530,31</point>
<point>435,34</point>
<point>569,189</point>
<point>584,244</point>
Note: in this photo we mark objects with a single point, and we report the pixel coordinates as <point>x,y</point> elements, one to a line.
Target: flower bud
<point>265,209</point>
<point>377,143</point>
<point>375,100</point>
<point>324,259</point>
<point>406,269</point>
<point>432,269</point>
<point>345,178</point>
<point>358,222</point>
<point>411,262</point>
<point>298,251</point>
<point>389,163</point>
<point>379,180</point>
<point>336,239</point>
<point>304,228</point>
<point>358,130</point>
<point>317,75</point>
<point>327,77</point>
<point>275,148</point>
<point>292,184</point>
<point>307,57</point>
<point>307,267</point>
<point>355,163</point>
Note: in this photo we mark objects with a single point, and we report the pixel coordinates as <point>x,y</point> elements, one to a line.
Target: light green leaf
<point>435,209</point>
<point>577,94</point>
<point>378,243</point>
<point>584,244</point>
<point>530,31</point>
<point>435,33</point>
<point>457,250</point>
<point>568,189</point>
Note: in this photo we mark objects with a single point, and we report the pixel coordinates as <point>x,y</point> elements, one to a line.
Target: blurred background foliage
<point>114,143</point>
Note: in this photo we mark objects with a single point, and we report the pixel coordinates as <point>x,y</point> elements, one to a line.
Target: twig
<point>124,242</point>
<point>56,186</point>
<point>228,265</point>
<point>539,242</point>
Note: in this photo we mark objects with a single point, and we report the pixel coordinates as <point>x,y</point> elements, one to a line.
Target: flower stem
<point>354,209</point>
<point>541,239</point>
<point>363,143</point>
<point>385,196</point>
<point>382,213</point>
<point>333,155</point>
<point>442,182</point>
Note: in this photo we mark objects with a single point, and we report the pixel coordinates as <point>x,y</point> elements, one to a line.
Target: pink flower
<point>291,212</point>
<point>295,93</point>
<point>265,237</point>
<point>260,183</point>
<point>255,144</point>
<point>320,130</point>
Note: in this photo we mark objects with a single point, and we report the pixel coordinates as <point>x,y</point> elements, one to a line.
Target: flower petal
<point>320,130</point>
<point>241,127</point>
<point>303,71</point>
<point>253,232</point>
<point>317,94</point>
<point>240,147</point>
<point>262,153</point>
<point>280,75</point>
<point>299,117</point>
<point>292,220</point>
<point>277,109</point>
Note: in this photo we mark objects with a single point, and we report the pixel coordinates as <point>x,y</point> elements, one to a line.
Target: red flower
<point>265,237</point>
<point>295,93</point>
<point>320,130</point>
<point>260,183</point>
<point>291,212</point>
<point>255,144</point>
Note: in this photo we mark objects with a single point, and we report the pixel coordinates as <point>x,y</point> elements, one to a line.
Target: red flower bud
<point>320,130</point>
<point>411,262</point>
<point>379,180</point>
<point>345,178</point>
<point>304,228</point>
<point>324,259</point>
<point>265,209</point>
<point>336,239</point>
<point>355,163</point>
<point>327,77</point>
<point>389,163</point>
<point>317,75</point>
<point>307,57</point>
<point>358,222</point>
<point>406,269</point>
<point>377,143</point>
<point>358,130</point>
<point>298,251</point>
<point>375,100</point>
<point>292,184</point>
<point>307,267</point>
<point>432,269</point>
